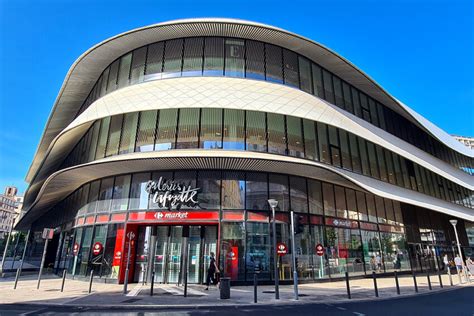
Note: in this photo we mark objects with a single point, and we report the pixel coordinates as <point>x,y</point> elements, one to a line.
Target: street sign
<point>97,248</point>
<point>319,250</point>
<point>281,249</point>
<point>48,233</point>
<point>75,249</point>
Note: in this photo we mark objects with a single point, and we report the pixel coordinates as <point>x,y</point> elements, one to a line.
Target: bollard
<point>347,286</point>
<point>186,284</point>
<point>375,284</point>
<point>152,282</point>
<point>429,281</point>
<point>64,279</point>
<point>90,281</point>
<point>396,282</point>
<point>255,287</point>
<point>414,281</point>
<point>440,279</point>
<point>450,277</point>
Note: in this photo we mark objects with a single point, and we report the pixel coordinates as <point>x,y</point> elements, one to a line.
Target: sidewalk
<point>110,295</point>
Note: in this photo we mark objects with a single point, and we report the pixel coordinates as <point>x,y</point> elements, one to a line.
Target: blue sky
<point>419,51</point>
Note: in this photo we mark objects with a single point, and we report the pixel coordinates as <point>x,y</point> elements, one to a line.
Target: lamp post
<point>454,223</point>
<point>273,204</point>
<point>7,243</point>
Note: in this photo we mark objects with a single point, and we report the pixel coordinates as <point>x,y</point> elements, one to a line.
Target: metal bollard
<point>347,286</point>
<point>375,284</point>
<point>255,287</point>
<point>64,279</point>
<point>440,279</point>
<point>429,281</point>
<point>152,282</point>
<point>396,282</point>
<point>414,281</point>
<point>450,277</point>
<point>186,284</point>
<point>90,281</point>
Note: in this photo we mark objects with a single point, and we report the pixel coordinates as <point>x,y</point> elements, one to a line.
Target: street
<point>457,302</point>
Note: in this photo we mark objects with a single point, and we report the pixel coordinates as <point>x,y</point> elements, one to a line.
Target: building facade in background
<point>170,139</point>
<point>10,207</point>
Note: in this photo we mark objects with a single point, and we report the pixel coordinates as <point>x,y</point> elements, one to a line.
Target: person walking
<point>458,263</point>
<point>378,262</point>
<point>211,271</point>
<point>446,262</point>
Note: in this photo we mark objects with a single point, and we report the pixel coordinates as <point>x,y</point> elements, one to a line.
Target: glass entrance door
<point>174,254</point>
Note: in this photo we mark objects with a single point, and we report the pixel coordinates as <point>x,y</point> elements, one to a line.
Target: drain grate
<point>132,300</point>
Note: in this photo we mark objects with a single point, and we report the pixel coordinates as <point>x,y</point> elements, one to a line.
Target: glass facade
<point>230,129</point>
<point>233,57</point>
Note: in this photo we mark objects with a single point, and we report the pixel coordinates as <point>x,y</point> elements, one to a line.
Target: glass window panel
<point>124,70</point>
<point>380,207</point>
<point>154,62</point>
<point>310,142</point>
<point>209,184</point>
<point>146,131</point>
<point>278,189</point>
<point>356,102</point>
<point>298,196</point>
<point>317,81</point>
<point>390,171</point>
<point>406,177</point>
<point>105,195</point>
<point>351,204</point>
<point>397,210</point>
<point>256,131</point>
<point>129,133</point>
<point>211,129</point>
<point>389,212</point>
<point>363,155</point>
<point>290,68</point>
<point>173,58</point>
<point>213,56</point>
<point>374,170</point>
<point>373,112</point>
<point>104,132</point>
<point>345,153</point>
<point>233,190</point>
<point>166,136</point>
<point>361,206</point>
<point>256,191</point>
<point>315,197</point>
<point>328,89</point>
<point>188,178</point>
<point>234,133</point>
<point>84,252</point>
<point>276,133</point>
<point>365,107</point>
<point>233,240</point>
<point>192,56</point>
<point>138,195</point>
<point>155,176</point>
<point>338,91</point>
<point>371,208</point>
<point>295,136</point>
<point>381,162</point>
<point>234,57</point>
<point>346,89</point>
<point>188,128</point>
<point>328,198</point>
<point>273,63</point>
<point>323,143</point>
<point>93,197</point>
<point>94,140</point>
<point>255,60</point>
<point>105,81</point>
<point>114,135</point>
<point>334,144</point>
<point>258,247</point>
<point>112,82</point>
<point>137,72</point>
<point>372,249</point>
<point>341,207</point>
<point>355,157</point>
<point>306,83</point>
<point>120,193</point>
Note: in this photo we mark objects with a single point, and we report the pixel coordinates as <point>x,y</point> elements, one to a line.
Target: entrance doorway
<point>166,249</point>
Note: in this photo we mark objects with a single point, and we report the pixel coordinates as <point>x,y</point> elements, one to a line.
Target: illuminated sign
<point>172,194</point>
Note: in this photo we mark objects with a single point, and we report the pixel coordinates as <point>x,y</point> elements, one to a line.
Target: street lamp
<point>454,223</point>
<point>273,204</point>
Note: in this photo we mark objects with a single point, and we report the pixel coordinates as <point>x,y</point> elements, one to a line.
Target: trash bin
<point>225,288</point>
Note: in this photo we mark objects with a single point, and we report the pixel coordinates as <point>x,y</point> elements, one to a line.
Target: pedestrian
<point>446,262</point>
<point>372,263</point>
<point>378,262</point>
<point>458,263</point>
<point>211,271</point>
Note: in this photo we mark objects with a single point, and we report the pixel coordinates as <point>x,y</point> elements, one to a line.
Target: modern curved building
<point>168,140</point>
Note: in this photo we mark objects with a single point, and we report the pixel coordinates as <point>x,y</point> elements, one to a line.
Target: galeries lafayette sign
<point>172,194</point>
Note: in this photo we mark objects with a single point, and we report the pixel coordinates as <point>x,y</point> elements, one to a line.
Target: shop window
<point>146,131</point>
<point>188,128</point>
<point>84,252</point>
<point>138,195</point>
<point>187,178</point>
<point>155,176</point>
<point>93,197</point>
<point>211,129</point>
<point>256,131</point>
<point>315,197</point>
<point>320,263</point>
<point>273,63</point>
<point>276,133</point>
<point>234,57</point>
<point>97,260</point>
<point>209,184</point>
<point>278,189</point>
<point>192,56</point>
<point>120,193</point>
<point>234,133</point>
<point>395,254</point>
<point>233,190</point>
<point>258,248</point>
<point>328,198</point>
<point>255,60</point>
<point>75,263</point>
<point>344,250</point>
<point>173,58</point>
<point>213,56</point>
<point>256,187</point>
<point>166,133</point>
<point>372,251</point>
<point>298,195</point>
<point>295,137</point>
<point>113,243</point>
<point>232,254</point>
<point>105,195</point>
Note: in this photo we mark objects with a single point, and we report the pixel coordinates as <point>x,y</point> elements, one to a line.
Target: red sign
<point>175,216</point>
<point>75,249</point>
<point>319,250</point>
<point>48,233</point>
<point>281,249</point>
<point>97,248</point>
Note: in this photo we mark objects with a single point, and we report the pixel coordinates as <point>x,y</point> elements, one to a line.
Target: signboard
<point>97,248</point>
<point>281,249</point>
<point>319,250</point>
<point>175,216</point>
<point>75,249</point>
<point>172,194</point>
<point>341,223</point>
<point>131,235</point>
<point>48,233</point>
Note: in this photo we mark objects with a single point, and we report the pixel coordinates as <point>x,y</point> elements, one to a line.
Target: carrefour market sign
<point>173,194</point>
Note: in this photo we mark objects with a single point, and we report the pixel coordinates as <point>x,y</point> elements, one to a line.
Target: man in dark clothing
<point>211,271</point>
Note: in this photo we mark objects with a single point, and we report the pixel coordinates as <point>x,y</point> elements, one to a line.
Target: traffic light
<point>299,224</point>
